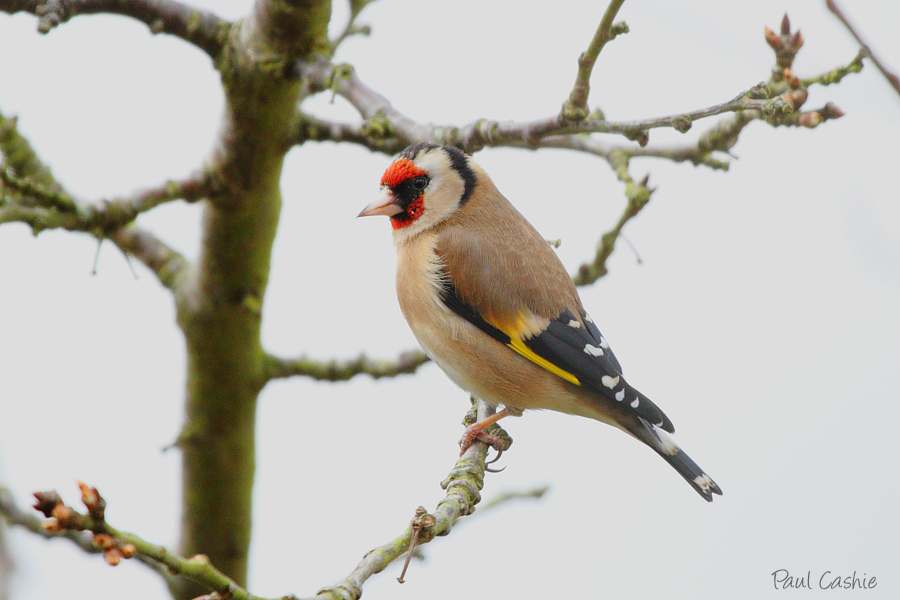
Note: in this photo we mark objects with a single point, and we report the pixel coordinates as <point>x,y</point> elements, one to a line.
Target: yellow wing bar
<point>520,347</point>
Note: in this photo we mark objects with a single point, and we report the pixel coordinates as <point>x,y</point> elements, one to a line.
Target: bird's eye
<point>420,182</point>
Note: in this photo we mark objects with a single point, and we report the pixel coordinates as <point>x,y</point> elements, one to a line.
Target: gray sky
<point>763,318</point>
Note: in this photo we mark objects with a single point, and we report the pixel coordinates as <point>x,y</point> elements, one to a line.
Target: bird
<point>493,306</point>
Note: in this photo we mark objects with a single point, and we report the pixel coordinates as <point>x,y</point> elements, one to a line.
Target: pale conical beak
<point>385,205</point>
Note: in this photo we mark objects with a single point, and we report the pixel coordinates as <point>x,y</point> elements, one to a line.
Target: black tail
<point>680,461</point>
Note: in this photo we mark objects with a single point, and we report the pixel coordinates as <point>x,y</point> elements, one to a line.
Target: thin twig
<point>27,520</point>
<point>891,77</point>
<point>575,108</point>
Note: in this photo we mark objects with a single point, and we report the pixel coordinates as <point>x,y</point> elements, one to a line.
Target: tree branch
<point>38,199</point>
<point>384,121</point>
<point>198,27</point>
<point>169,266</point>
<point>51,207</point>
<point>314,129</point>
<point>575,108</point>
<point>342,370</point>
<point>638,195</point>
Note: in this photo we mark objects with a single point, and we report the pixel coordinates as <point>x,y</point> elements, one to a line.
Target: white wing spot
<point>574,324</point>
<point>603,343</point>
<point>636,402</point>
<point>610,382</point>
<point>593,350</point>
<point>620,395</point>
<point>588,318</point>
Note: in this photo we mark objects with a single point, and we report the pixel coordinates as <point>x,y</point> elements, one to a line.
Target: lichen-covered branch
<point>198,27</point>
<point>342,370</point>
<point>16,152</point>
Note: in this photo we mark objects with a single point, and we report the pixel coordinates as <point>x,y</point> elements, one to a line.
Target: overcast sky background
<point>763,317</point>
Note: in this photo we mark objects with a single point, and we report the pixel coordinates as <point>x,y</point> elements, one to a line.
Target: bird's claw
<point>492,461</point>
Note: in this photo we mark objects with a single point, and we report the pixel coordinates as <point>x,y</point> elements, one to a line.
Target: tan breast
<point>473,360</point>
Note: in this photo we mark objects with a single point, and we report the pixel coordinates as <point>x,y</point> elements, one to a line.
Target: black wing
<point>577,347</point>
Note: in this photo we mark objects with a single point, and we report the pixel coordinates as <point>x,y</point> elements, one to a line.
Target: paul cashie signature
<point>827,580</point>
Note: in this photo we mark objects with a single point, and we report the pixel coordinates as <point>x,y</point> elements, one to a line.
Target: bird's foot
<point>476,433</point>
<point>499,440</point>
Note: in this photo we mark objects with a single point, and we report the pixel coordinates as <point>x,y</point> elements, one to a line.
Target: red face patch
<point>412,213</point>
<point>399,171</point>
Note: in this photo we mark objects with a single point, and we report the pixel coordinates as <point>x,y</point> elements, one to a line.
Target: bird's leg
<point>475,432</point>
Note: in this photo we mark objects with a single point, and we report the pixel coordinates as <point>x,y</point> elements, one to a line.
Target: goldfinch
<point>493,306</point>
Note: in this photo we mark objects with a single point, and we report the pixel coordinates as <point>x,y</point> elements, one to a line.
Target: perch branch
<point>462,485</point>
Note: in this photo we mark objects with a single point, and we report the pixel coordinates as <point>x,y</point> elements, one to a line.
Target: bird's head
<point>425,185</point>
